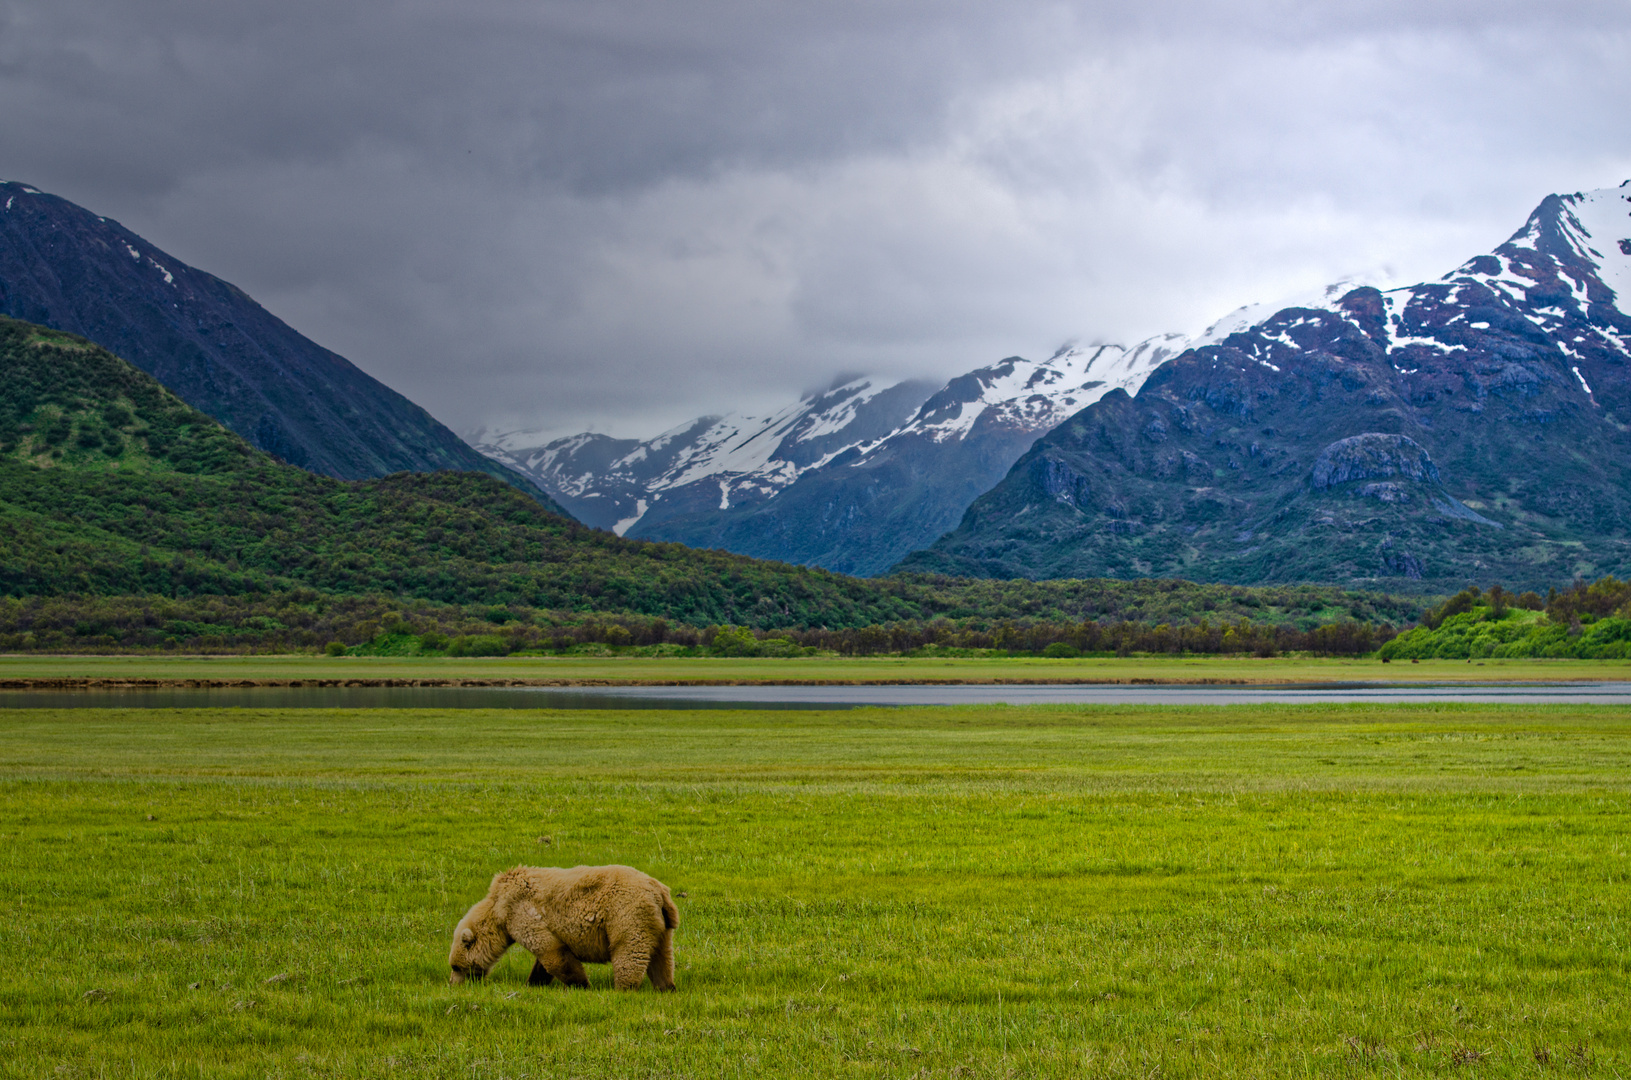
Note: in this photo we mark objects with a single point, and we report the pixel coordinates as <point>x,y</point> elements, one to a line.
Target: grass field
<point>1046,891</point>
<point>868,669</point>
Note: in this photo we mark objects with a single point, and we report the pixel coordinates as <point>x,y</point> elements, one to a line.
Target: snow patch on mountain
<point>624,524</point>
<point>1039,396</point>
<point>1600,228</point>
<point>1250,316</point>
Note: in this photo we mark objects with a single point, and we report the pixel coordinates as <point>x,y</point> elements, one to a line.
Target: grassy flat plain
<point>866,669</point>
<point>948,892</point>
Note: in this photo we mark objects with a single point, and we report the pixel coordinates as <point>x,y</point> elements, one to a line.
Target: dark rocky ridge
<point>218,350</point>
<point>1473,429</point>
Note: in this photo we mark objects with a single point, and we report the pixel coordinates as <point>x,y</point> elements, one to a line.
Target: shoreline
<point>92,683</point>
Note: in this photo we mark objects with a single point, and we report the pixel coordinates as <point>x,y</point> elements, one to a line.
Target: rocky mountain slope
<point>1476,428</point>
<point>64,267</point>
<point>850,479</point>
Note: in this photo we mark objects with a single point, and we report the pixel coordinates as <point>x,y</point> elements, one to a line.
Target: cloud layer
<point>616,215</point>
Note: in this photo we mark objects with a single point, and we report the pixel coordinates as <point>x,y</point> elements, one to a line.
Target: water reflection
<point>802,697</point>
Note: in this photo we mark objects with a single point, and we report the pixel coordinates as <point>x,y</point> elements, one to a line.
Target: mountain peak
<point>1474,426</point>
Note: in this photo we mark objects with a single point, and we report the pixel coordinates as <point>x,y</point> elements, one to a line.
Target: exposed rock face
<point>1372,456</point>
<point>1477,428</point>
<point>62,266</point>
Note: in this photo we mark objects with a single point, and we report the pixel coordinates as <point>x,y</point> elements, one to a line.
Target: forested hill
<point>110,485</point>
<point>63,266</point>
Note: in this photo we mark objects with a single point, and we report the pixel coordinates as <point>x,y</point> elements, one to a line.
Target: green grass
<point>635,669</point>
<point>1325,890</point>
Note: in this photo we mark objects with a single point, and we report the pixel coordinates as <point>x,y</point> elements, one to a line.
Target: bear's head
<point>478,942</point>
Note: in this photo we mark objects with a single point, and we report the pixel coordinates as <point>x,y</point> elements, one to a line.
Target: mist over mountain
<point>1475,428</point>
<point>850,479</point>
<point>218,350</point>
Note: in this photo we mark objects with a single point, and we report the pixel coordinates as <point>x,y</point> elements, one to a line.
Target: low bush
<point>479,645</point>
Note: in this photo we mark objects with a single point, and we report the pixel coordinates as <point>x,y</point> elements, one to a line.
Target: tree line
<point>309,621</point>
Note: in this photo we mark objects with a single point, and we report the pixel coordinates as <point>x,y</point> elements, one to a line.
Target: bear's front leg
<point>551,958</point>
<point>561,964</point>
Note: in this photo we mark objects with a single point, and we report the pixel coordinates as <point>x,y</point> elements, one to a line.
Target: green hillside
<point>112,486</point>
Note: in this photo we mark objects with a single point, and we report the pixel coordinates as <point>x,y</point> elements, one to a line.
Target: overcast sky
<point>615,215</point>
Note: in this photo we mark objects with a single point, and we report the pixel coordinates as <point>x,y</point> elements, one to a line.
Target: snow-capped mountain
<point>1249,315</point>
<point>738,458</point>
<point>1473,428</point>
<point>741,481</point>
<point>1567,258</point>
<point>1029,396</point>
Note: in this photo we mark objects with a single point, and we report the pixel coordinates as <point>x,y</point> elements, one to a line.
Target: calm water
<point>802,697</point>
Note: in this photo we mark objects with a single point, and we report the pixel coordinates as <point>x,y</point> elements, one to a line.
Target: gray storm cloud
<point>618,215</point>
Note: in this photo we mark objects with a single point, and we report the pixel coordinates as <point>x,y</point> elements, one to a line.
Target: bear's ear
<point>468,936</point>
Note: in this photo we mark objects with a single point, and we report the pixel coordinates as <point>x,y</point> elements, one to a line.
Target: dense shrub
<point>1585,622</point>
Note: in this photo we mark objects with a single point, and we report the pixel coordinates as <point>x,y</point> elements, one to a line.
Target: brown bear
<point>566,918</point>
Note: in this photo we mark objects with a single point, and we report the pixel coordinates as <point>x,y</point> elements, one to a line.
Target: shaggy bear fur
<point>566,918</point>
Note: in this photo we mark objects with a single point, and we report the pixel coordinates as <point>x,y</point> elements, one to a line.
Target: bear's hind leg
<point>661,968</point>
<point>540,975</point>
<point>629,966</point>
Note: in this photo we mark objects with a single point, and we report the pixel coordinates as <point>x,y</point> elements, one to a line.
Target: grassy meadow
<point>947,892</point>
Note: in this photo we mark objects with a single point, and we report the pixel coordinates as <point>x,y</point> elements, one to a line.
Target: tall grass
<point>1326,890</point>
